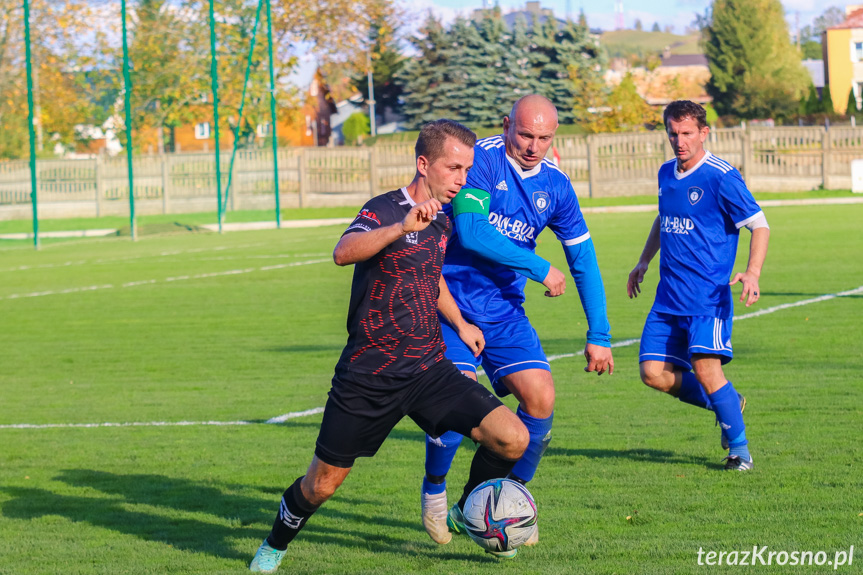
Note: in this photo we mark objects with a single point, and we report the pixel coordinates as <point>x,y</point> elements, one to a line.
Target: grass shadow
<point>658,456</point>
<point>171,508</point>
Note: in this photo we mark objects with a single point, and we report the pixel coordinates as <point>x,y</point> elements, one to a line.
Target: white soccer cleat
<point>434,517</point>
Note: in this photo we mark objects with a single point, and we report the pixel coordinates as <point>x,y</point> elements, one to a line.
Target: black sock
<point>485,465</point>
<point>293,513</point>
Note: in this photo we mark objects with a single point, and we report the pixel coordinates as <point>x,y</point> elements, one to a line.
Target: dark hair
<point>680,109</point>
<point>433,135</point>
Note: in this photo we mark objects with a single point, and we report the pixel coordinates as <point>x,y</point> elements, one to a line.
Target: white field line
<point>130,258</point>
<point>765,311</point>
<point>295,414</point>
<point>166,280</point>
<point>274,420</point>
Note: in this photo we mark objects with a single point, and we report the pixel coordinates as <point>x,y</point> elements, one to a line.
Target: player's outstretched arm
<point>584,267</point>
<point>360,246</point>
<point>478,236</point>
<point>757,255</point>
<point>470,334</point>
<point>636,276</point>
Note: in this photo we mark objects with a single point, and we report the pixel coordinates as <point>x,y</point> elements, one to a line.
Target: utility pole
<point>371,93</point>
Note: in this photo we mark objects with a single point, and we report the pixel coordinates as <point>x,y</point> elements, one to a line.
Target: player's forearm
<point>448,308</point>
<point>758,250</point>
<point>651,246</point>
<point>480,238</point>
<point>584,268</point>
<point>360,246</point>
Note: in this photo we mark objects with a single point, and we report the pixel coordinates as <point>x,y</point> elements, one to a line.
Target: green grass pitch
<point>248,326</point>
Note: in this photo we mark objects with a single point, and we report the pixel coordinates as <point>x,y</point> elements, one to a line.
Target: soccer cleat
<point>267,559</point>
<point>723,439</point>
<point>455,520</point>
<point>503,554</point>
<point>736,463</point>
<point>435,517</point>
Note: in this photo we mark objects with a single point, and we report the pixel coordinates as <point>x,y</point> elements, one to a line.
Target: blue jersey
<point>523,203</point>
<point>700,214</point>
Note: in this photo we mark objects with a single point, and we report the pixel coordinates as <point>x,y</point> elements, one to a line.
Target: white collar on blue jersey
<point>521,171</point>
<point>681,175</point>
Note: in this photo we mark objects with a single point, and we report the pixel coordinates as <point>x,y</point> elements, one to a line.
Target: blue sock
<point>439,455</point>
<point>692,392</point>
<point>540,437</point>
<point>726,404</point>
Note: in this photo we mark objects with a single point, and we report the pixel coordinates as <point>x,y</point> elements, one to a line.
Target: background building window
<point>263,130</point>
<point>202,131</point>
<point>857,51</point>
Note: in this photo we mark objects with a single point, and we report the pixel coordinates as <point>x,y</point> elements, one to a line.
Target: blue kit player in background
<point>703,203</point>
<point>512,193</point>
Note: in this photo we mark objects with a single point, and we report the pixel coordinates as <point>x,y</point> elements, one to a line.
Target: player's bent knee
<point>503,433</point>
<point>655,376</point>
<point>322,480</point>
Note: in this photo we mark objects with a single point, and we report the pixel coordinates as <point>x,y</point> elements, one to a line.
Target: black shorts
<point>362,409</point>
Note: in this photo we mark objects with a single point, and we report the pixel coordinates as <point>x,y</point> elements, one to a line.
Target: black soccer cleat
<point>736,463</point>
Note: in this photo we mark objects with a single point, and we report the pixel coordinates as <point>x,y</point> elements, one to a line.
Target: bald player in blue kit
<point>512,193</point>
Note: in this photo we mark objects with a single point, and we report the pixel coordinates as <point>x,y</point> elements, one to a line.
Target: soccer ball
<point>500,515</point>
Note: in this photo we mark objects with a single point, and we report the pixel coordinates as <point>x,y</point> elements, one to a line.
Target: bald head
<point>532,108</point>
<point>529,130</point>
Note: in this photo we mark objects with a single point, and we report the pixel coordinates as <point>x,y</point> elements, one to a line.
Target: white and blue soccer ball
<point>500,515</point>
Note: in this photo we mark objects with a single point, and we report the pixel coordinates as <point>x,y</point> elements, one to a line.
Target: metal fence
<point>601,165</point>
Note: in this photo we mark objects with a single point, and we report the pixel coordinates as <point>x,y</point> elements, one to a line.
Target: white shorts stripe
<point>517,363</point>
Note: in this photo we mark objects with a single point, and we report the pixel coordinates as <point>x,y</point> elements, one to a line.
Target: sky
<point>600,14</point>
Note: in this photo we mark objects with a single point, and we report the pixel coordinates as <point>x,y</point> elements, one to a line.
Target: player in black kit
<point>393,364</point>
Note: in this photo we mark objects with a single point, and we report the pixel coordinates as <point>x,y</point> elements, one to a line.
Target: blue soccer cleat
<point>267,559</point>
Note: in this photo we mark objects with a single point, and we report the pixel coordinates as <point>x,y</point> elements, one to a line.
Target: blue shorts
<point>674,338</point>
<point>510,346</point>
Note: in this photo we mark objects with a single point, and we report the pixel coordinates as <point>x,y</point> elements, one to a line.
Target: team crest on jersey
<point>412,237</point>
<point>541,201</point>
<point>694,194</point>
<point>442,244</point>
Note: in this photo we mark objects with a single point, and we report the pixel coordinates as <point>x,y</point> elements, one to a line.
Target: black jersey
<point>393,326</point>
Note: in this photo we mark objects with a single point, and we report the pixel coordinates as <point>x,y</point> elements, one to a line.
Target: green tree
<point>475,70</point>
<point>811,50</point>
<point>755,71</point>
<point>813,102</point>
<point>355,127</point>
<point>851,109</point>
<point>63,43</point>
<point>629,112</point>
<point>386,62</point>
<point>827,101</point>
<point>638,25</point>
<point>558,54</point>
<point>655,27</point>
